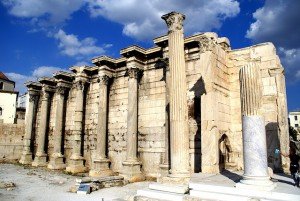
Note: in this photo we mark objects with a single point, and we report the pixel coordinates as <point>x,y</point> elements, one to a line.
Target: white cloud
<point>43,12</point>
<point>70,45</point>
<point>290,59</point>
<point>42,71</point>
<point>278,21</point>
<point>142,20</point>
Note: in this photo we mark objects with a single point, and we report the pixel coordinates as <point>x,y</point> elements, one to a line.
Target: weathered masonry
<point>172,109</point>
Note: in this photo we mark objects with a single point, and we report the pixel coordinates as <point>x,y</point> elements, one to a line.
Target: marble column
<point>57,159</point>
<point>76,162</point>
<point>179,137</point>
<point>100,166</point>
<point>165,165</point>
<point>132,166</point>
<point>26,157</point>
<point>253,129</point>
<point>41,156</point>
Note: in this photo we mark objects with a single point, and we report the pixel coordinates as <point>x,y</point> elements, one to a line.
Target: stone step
<point>160,195</point>
<point>180,189</point>
<point>224,192</point>
<point>217,196</point>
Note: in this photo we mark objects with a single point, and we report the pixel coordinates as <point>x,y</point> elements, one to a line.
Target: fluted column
<point>56,159</point>
<point>100,166</point>
<point>41,156</point>
<point>26,157</point>
<point>132,167</point>
<point>76,163</point>
<point>253,129</point>
<point>179,138</point>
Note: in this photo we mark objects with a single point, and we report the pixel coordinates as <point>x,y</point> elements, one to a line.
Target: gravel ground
<point>36,184</point>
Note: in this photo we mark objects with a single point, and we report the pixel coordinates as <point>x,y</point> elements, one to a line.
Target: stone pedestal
<point>179,137</point>
<point>57,159</point>
<point>132,171</point>
<point>255,155</point>
<point>100,166</point>
<point>254,134</point>
<point>76,162</point>
<point>132,167</point>
<point>26,157</point>
<point>40,159</point>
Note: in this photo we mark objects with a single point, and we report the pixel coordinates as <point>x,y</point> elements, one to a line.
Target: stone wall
<point>11,141</point>
<point>214,108</point>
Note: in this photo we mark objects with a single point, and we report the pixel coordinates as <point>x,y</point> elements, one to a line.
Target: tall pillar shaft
<point>132,118</point>
<point>100,166</point>
<point>76,163</point>
<point>26,157</point>
<point>254,134</point>
<point>41,156</point>
<point>179,139</point>
<point>132,167</point>
<point>56,160</point>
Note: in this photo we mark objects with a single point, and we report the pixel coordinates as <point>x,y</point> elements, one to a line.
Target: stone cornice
<point>63,76</point>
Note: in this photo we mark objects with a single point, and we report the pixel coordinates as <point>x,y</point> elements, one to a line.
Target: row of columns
<point>100,164</point>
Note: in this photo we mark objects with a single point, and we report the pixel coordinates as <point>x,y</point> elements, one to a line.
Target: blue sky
<point>40,37</point>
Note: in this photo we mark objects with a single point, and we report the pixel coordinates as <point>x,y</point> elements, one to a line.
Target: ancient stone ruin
<point>163,112</point>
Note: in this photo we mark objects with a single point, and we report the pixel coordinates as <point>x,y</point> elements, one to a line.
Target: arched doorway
<point>225,151</point>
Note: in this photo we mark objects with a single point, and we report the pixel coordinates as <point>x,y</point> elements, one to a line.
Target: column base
<point>164,170</point>
<point>132,171</point>
<point>56,162</point>
<point>76,165</point>
<point>40,160</point>
<point>26,159</point>
<point>176,178</point>
<point>256,183</point>
<point>100,168</point>
<point>210,169</point>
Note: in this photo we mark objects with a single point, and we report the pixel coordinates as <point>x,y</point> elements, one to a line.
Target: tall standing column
<point>254,134</point>
<point>56,159</point>
<point>100,166</point>
<point>26,157</point>
<point>76,163</point>
<point>41,156</point>
<point>132,167</point>
<point>179,138</point>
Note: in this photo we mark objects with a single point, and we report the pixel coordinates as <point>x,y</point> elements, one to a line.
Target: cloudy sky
<point>40,37</point>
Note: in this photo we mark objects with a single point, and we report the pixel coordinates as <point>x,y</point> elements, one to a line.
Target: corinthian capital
<point>174,21</point>
<point>61,90</point>
<point>103,79</point>
<point>79,84</point>
<point>45,95</point>
<point>134,73</point>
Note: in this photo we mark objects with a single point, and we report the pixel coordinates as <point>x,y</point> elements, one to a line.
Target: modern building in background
<point>294,119</point>
<point>8,100</point>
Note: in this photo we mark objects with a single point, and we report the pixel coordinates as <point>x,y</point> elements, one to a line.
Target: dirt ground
<point>37,184</point>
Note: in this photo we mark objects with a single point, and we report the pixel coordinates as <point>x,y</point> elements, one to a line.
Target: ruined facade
<point>134,114</point>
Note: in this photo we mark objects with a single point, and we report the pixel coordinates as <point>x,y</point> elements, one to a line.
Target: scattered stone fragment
<point>73,189</point>
<point>83,180</point>
<point>84,189</point>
